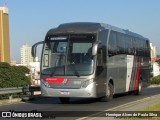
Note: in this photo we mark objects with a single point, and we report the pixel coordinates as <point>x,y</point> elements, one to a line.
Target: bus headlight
<point>86,83</point>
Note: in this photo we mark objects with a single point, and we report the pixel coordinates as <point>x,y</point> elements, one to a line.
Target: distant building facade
<point>156,69</point>
<point>13,62</point>
<point>153,53</point>
<point>26,57</point>
<point>155,66</point>
<point>4,35</point>
<point>35,70</point>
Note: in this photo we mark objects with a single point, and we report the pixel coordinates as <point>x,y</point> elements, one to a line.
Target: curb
<point>152,86</point>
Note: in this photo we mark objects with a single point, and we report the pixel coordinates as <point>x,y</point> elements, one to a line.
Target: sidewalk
<point>12,101</point>
<point>37,95</point>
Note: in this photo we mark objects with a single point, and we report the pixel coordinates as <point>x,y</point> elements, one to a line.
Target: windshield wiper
<point>53,72</point>
<point>59,64</point>
<point>49,71</point>
<point>75,71</point>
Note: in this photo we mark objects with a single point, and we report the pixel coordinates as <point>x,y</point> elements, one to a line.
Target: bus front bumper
<point>88,92</point>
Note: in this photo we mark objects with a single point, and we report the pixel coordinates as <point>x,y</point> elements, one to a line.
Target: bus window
<point>103,38</point>
<point>121,43</point>
<point>112,44</point>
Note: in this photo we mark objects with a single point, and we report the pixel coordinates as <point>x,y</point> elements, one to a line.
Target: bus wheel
<point>109,93</point>
<point>139,89</point>
<point>64,100</point>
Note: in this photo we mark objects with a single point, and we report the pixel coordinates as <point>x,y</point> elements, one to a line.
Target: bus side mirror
<point>34,48</point>
<point>94,49</point>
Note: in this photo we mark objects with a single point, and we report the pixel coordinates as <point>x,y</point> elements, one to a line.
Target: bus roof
<point>89,27</point>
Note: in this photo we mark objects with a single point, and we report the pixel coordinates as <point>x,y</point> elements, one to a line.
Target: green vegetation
<point>154,107</point>
<point>13,76</point>
<point>156,80</point>
<point>14,95</point>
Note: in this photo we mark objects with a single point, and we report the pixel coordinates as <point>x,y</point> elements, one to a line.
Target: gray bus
<point>92,60</point>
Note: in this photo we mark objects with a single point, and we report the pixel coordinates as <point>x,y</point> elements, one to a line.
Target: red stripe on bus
<point>137,75</point>
<point>54,80</point>
<point>131,75</point>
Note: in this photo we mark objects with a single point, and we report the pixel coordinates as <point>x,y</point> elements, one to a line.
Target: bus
<point>92,60</point>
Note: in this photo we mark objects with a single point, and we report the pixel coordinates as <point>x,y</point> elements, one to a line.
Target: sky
<point>29,20</point>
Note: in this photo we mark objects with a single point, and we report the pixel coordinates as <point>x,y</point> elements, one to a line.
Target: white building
<point>26,57</point>
<point>153,52</point>
<point>155,66</point>
<point>35,66</point>
<point>35,70</point>
<point>13,62</point>
<point>156,69</point>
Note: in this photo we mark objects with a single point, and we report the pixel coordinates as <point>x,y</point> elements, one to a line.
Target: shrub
<point>4,65</point>
<point>13,76</point>
<point>155,80</point>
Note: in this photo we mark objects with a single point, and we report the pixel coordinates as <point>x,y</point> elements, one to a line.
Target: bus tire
<point>64,100</point>
<point>109,93</point>
<point>139,89</point>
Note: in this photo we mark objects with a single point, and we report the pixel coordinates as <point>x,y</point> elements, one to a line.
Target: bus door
<point>101,73</point>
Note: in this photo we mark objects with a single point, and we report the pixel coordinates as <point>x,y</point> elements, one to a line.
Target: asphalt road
<point>79,105</point>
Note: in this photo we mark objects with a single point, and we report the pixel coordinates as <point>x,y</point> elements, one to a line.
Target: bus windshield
<point>68,56</point>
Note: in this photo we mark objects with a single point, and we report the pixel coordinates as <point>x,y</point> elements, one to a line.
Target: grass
<point>154,107</point>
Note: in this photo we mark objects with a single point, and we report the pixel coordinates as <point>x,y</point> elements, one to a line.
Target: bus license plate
<point>65,92</point>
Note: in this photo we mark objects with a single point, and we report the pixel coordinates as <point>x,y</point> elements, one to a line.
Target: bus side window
<point>112,44</point>
<point>147,49</point>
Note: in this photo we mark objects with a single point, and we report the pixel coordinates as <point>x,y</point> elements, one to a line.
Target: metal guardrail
<point>19,90</point>
<point>31,88</point>
<point>23,90</point>
<point>11,90</point>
